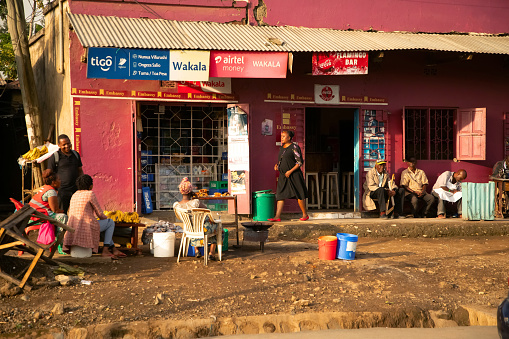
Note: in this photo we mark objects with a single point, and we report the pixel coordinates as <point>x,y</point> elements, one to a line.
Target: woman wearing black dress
<point>290,184</point>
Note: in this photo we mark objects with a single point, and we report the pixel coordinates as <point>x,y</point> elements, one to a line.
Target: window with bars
<point>429,133</point>
<point>181,141</point>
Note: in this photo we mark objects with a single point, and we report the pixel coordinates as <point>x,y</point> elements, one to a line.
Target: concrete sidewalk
<point>291,228</point>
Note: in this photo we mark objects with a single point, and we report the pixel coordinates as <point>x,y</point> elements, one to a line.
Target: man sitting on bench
<point>413,187</point>
<point>376,186</point>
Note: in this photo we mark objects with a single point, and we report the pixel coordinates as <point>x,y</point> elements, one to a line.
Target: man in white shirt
<point>446,186</point>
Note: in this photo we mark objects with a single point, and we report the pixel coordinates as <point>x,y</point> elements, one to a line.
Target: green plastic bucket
<point>264,203</point>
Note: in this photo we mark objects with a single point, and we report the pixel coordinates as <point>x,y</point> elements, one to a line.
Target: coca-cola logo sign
<point>327,94</point>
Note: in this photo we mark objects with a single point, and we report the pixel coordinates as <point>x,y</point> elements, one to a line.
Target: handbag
<point>46,234</point>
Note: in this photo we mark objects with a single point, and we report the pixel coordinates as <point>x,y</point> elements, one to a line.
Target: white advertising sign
<point>327,94</point>
<point>189,65</point>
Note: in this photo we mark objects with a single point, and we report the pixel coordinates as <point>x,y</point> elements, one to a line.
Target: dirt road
<point>400,278</point>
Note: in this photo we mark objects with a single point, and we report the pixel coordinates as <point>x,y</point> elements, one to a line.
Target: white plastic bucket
<point>81,252</point>
<point>164,244</point>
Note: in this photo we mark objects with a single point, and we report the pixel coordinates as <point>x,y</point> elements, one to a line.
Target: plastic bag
<point>46,234</point>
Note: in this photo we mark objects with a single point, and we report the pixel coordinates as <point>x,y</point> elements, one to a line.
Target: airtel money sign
<point>233,64</point>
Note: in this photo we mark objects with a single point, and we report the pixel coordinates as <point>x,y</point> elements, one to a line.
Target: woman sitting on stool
<point>84,210</point>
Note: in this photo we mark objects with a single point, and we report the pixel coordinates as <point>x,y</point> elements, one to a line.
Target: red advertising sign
<point>198,96</point>
<point>233,64</point>
<point>340,63</point>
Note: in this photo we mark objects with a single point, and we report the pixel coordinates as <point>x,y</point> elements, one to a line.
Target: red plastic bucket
<point>327,247</point>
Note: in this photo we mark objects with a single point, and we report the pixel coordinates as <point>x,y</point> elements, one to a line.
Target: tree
<point>7,58</point>
<point>18,29</point>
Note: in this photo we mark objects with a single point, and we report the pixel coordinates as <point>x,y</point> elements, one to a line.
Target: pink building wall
<point>402,81</point>
<point>387,15</point>
<point>393,15</point>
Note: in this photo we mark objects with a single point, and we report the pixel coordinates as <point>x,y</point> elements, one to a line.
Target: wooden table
<point>134,233</point>
<point>234,223</point>
<point>502,187</point>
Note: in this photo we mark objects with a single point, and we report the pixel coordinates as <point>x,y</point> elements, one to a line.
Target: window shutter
<point>471,134</point>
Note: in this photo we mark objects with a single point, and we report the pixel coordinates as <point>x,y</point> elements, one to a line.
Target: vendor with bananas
<point>187,203</point>
<point>66,162</point>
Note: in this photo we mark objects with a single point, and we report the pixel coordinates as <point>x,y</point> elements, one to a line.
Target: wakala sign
<point>142,64</point>
<point>232,64</point>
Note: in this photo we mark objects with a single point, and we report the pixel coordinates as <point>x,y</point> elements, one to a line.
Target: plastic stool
<point>313,200</point>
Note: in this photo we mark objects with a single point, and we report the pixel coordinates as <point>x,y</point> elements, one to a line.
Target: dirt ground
<point>288,278</point>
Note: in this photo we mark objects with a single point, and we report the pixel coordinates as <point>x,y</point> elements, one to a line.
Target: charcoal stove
<point>257,232</point>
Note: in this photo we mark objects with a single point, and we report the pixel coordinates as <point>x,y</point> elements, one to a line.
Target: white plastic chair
<point>193,222</point>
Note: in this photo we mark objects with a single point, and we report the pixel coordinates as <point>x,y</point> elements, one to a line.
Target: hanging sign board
<point>327,94</point>
<point>234,64</point>
<point>145,64</point>
<point>340,63</point>
<point>213,85</point>
<point>189,65</point>
<point>238,157</point>
<point>133,64</point>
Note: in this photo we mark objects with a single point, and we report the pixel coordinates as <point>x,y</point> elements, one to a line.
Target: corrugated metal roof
<point>108,31</point>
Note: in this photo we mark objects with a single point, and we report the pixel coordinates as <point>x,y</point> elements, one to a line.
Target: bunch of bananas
<point>203,193</point>
<point>35,153</point>
<point>116,216</point>
<point>226,194</point>
<point>131,217</point>
<point>119,216</point>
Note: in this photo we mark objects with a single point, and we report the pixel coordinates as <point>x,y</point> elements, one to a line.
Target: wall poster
<point>238,179</point>
<point>267,127</point>
<point>238,156</point>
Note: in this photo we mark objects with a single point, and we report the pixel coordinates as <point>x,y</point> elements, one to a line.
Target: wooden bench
<point>12,237</point>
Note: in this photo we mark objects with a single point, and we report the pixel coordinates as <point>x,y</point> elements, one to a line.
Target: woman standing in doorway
<point>290,184</point>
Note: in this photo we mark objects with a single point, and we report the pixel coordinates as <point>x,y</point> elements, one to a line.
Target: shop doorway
<point>330,149</point>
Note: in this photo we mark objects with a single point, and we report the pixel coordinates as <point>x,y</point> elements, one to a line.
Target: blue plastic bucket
<point>347,244</point>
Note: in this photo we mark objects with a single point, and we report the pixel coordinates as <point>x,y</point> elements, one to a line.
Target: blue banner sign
<point>130,64</point>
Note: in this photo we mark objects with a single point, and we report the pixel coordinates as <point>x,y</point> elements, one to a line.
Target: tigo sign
<point>233,64</point>
<point>135,64</point>
<point>142,64</point>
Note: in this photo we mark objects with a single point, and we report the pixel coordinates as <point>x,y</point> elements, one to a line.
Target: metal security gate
<point>178,142</point>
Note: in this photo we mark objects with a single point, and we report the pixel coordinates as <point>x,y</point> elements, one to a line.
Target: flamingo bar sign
<point>340,63</point>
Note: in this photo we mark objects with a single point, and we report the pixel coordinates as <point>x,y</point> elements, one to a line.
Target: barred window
<point>429,133</point>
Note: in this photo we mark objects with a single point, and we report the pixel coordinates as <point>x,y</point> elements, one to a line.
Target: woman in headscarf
<point>46,200</point>
<point>187,203</point>
<point>84,210</point>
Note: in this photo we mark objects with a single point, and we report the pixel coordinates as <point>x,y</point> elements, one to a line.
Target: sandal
<point>111,255</point>
<point>119,254</point>
<point>212,257</point>
<point>197,254</point>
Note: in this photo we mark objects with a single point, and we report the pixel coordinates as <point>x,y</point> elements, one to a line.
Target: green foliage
<point>7,60</point>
